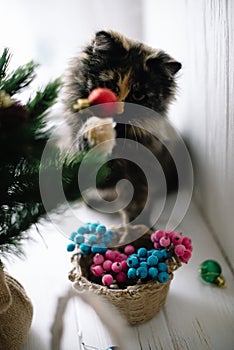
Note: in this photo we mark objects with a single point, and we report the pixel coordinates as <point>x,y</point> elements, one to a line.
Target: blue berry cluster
<point>91,238</point>
<point>148,264</point>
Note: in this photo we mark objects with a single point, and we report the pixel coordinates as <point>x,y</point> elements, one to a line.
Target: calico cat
<point>139,75</point>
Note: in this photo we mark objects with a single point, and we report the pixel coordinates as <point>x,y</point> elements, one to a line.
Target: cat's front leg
<point>99,132</point>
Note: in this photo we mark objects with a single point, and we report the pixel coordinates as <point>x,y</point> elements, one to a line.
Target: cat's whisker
<point>125,136</point>
<point>134,131</point>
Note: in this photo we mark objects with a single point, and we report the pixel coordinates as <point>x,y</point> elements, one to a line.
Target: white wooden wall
<point>50,32</point>
<point>201,35</point>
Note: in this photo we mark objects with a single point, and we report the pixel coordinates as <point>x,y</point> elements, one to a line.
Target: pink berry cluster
<point>174,242</point>
<point>111,266</point>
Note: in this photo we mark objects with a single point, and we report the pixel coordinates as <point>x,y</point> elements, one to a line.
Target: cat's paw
<point>100,131</point>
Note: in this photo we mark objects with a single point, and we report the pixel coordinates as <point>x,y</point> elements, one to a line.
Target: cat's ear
<point>110,43</point>
<point>103,42</point>
<point>173,66</point>
<point>162,60</point>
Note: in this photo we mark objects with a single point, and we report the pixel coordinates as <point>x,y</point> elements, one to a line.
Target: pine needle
<point>4,62</point>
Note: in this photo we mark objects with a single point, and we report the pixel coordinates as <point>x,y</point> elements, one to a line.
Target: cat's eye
<point>137,92</point>
<point>116,90</point>
<point>138,95</point>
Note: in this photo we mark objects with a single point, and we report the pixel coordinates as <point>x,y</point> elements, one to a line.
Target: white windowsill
<point>196,315</point>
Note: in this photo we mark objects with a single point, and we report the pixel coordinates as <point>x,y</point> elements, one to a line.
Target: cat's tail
<point>108,314</point>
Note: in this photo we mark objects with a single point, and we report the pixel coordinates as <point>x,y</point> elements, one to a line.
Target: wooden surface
<point>196,315</point>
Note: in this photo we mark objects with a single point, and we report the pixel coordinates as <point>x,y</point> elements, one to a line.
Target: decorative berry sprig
<point>91,238</point>
<point>174,242</point>
<point>111,266</point>
<point>148,264</point>
<point>103,96</point>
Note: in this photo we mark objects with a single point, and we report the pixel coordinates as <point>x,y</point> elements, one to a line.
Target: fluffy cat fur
<point>140,75</point>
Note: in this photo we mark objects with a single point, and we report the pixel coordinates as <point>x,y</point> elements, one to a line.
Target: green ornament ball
<point>210,272</point>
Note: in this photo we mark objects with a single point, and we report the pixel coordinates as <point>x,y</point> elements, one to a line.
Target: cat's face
<point>135,72</point>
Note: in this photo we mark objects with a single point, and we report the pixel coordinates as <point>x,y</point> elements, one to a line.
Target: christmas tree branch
<point>19,79</point>
<point>44,98</point>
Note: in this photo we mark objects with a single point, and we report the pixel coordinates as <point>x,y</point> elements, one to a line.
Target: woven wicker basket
<point>138,303</point>
<point>16,312</point>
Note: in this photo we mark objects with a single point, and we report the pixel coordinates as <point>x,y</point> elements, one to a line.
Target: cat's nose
<point>124,89</point>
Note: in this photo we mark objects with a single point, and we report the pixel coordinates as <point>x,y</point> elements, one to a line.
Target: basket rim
<point>129,290</point>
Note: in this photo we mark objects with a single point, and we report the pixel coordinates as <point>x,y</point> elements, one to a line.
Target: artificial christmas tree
<point>22,140</point>
<point>23,137</point>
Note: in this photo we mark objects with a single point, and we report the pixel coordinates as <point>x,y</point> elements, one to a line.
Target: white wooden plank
<point>200,316</point>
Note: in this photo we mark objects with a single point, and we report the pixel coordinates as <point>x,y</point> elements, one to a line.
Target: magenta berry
<point>129,249</point>
<point>179,249</point>
<point>153,237</point>
<point>123,256</point>
<point>107,265</point>
<point>169,233</point>
<point>190,248</point>
<point>116,267</point>
<point>124,265</point>
<point>183,259</point>
<point>107,280</point>
<point>118,258</point>
<point>176,238</point>
<point>98,259</point>
<point>110,254</point>
<point>121,277</point>
<point>91,267</point>
<point>165,241</point>
<point>159,234</point>
<point>97,270</point>
<point>187,254</point>
<point>186,242</point>
<point>157,245</point>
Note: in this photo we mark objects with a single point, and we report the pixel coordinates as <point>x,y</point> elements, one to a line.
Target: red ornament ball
<point>107,99</point>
